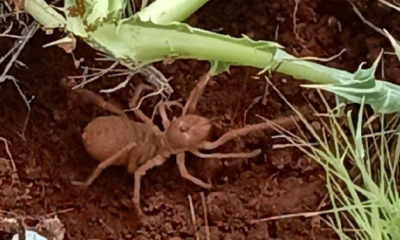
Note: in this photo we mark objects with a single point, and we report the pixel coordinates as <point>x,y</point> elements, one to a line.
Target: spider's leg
<point>285,121</point>
<point>140,172</point>
<point>103,165</point>
<point>87,96</point>
<point>228,155</point>
<point>163,113</point>
<point>180,158</point>
<point>191,104</point>
<point>136,96</point>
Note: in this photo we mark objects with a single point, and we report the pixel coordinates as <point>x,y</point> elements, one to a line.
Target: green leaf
<point>86,16</point>
<point>75,15</point>
<point>218,67</point>
<point>101,10</point>
<point>383,97</point>
<point>135,41</point>
<point>44,14</point>
<point>167,11</point>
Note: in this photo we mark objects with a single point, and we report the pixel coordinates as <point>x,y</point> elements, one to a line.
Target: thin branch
<point>27,103</point>
<point>102,73</point>
<point>9,153</point>
<point>21,44</point>
<point>193,215</point>
<point>203,201</point>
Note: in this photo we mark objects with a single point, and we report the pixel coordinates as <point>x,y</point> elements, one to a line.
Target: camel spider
<point>117,140</point>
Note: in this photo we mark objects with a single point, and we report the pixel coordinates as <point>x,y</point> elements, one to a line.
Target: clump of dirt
<point>275,183</point>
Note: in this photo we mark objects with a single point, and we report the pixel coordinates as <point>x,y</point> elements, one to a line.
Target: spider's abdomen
<point>106,136</point>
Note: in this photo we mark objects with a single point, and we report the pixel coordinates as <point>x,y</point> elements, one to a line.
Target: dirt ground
<point>277,182</point>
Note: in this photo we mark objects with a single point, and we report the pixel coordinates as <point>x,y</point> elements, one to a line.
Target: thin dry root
<point>185,174</point>
<point>134,102</point>
<point>138,91</point>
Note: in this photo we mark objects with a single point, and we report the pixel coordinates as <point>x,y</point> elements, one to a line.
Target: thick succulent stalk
<point>153,35</point>
<point>167,11</point>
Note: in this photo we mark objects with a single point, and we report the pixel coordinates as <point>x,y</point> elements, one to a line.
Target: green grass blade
<point>390,5</point>
<point>394,43</point>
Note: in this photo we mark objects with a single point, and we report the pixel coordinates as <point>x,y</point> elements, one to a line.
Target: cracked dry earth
<point>279,181</point>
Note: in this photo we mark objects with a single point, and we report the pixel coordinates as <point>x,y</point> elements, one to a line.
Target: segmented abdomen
<point>107,135</point>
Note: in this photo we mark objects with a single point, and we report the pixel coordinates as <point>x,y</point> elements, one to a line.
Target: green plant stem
<point>166,11</point>
<point>146,42</point>
<point>139,41</point>
<point>149,42</point>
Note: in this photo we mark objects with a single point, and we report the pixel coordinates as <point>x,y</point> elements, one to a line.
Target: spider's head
<point>188,131</point>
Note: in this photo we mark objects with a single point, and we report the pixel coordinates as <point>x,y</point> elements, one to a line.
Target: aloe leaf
<point>167,11</point>
<point>141,42</point>
<point>383,97</point>
<point>103,10</point>
<point>44,14</point>
<point>219,67</point>
<point>137,41</point>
